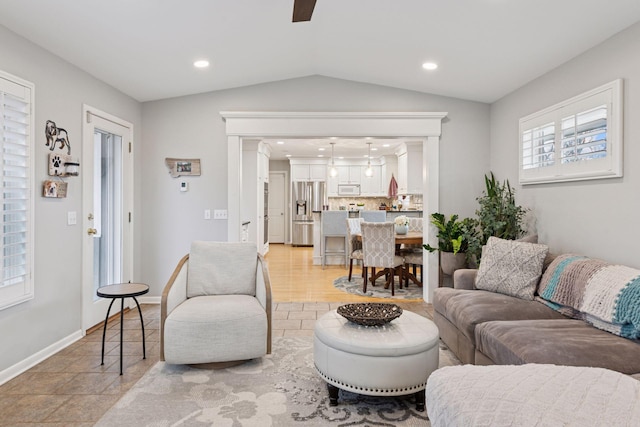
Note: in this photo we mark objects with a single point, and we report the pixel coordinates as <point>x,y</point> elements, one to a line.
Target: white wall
<point>191,126</point>
<point>598,217</point>
<point>60,90</point>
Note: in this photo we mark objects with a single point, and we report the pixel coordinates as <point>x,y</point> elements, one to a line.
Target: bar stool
<point>333,226</point>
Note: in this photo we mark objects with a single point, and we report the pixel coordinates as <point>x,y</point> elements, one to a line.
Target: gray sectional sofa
<point>484,327</point>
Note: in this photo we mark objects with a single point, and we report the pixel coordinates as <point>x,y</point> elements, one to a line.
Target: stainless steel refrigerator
<point>308,197</point>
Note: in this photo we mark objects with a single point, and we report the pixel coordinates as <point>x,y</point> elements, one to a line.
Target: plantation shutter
<point>15,159</point>
<point>580,138</point>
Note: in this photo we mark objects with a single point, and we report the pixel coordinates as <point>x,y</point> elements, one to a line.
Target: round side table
<point>122,291</point>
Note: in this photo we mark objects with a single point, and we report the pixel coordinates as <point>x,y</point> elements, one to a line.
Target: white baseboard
<point>31,361</point>
<point>149,300</point>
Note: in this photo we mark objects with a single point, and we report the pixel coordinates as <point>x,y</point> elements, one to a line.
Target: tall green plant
<point>498,214</point>
<point>471,235</point>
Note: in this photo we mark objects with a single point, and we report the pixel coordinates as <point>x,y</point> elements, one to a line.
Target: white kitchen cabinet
<point>308,172</point>
<point>354,174</point>
<point>410,169</point>
<point>402,173</point>
<point>299,172</point>
<point>317,172</point>
<point>332,185</point>
<point>371,185</point>
<point>348,174</point>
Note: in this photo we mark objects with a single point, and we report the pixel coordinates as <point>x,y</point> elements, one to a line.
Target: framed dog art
<point>54,189</point>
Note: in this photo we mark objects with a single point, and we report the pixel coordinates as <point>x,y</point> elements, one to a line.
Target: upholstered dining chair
<point>412,259</point>
<point>354,244</point>
<point>379,250</point>
<point>216,307</point>
<point>412,254</point>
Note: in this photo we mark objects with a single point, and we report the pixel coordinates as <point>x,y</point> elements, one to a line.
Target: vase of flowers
<point>402,224</point>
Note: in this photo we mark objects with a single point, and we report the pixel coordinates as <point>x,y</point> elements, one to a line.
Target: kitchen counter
<point>390,214</point>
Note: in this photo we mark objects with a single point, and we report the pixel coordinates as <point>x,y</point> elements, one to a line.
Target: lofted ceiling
<point>484,48</point>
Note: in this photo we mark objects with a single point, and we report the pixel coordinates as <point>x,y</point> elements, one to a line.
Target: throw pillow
<point>511,268</point>
<point>531,238</point>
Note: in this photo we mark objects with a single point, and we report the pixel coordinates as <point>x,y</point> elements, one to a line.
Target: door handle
<point>92,231</point>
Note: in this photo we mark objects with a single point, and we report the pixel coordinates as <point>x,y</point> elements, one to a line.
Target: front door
<point>107,171</point>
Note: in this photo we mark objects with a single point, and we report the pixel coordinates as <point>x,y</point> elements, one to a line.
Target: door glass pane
<point>107,245</point>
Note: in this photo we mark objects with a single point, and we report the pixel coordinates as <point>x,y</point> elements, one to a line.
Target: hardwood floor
<point>294,278</point>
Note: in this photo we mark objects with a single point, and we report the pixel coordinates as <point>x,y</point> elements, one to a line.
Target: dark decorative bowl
<point>370,313</point>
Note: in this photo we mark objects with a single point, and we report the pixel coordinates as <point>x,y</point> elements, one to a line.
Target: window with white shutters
<point>16,233</point>
<point>577,139</point>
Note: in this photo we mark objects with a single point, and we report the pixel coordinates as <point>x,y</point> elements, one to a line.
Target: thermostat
<point>184,186</point>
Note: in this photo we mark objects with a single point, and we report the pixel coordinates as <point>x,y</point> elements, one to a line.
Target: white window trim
<point>16,294</point>
<point>610,166</point>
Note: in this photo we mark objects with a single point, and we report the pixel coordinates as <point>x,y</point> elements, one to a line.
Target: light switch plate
<point>72,218</point>
<point>207,214</point>
<point>220,214</point>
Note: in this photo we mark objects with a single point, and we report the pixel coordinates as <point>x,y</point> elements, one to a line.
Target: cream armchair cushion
<point>222,269</point>
<point>216,306</point>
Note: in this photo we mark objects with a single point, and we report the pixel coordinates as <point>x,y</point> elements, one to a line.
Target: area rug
<point>282,389</point>
<point>355,287</point>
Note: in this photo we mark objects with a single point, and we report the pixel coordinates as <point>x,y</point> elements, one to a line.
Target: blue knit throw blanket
<point>605,295</point>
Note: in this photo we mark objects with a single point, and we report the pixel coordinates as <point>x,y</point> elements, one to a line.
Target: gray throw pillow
<point>511,268</point>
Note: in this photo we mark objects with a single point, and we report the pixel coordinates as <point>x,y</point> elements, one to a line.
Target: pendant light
<point>369,171</point>
<point>333,172</point>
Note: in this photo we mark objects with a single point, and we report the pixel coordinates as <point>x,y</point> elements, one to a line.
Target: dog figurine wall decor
<point>55,134</point>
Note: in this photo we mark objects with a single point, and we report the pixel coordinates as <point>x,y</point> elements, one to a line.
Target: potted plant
<point>451,241</point>
<point>498,215</point>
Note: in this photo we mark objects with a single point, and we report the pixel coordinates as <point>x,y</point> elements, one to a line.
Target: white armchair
<point>216,306</point>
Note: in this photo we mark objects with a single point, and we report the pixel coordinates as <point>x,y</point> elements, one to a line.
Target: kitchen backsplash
<point>373,203</point>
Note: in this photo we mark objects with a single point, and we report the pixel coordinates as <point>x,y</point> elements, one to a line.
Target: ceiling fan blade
<point>302,10</point>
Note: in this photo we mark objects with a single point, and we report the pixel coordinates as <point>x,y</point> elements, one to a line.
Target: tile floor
<point>72,388</point>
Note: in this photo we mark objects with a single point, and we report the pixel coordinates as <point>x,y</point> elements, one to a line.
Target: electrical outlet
<point>220,214</point>
<point>207,214</point>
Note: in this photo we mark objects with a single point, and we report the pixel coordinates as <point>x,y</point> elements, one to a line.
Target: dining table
<point>409,238</point>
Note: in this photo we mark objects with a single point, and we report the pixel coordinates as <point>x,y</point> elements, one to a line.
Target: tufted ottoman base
<point>391,360</point>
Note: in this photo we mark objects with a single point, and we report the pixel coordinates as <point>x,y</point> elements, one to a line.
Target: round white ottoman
<point>391,360</point>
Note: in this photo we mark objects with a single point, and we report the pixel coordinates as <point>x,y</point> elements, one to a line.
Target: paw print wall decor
<point>62,165</point>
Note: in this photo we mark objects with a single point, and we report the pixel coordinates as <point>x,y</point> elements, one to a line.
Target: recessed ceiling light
<point>386,145</point>
<point>201,63</point>
<point>333,137</point>
<point>280,142</point>
<point>366,156</point>
<point>320,149</point>
<point>287,155</point>
<point>320,155</point>
<point>341,157</point>
<point>430,66</point>
<point>374,149</point>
